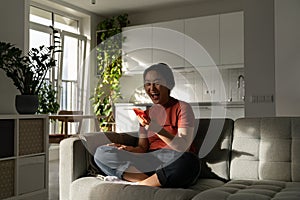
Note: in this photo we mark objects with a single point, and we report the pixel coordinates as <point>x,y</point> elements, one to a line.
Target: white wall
<point>13,14</point>
<point>287,63</point>
<point>259,56</point>
<point>201,8</point>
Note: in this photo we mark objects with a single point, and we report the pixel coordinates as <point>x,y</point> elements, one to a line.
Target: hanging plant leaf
<point>109,62</point>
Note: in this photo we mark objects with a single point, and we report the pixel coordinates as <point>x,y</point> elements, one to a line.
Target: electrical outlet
<point>269,98</point>
<point>261,98</point>
<point>253,99</point>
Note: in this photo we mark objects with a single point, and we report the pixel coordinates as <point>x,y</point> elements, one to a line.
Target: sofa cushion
<point>91,188</point>
<point>205,184</point>
<point>252,189</point>
<point>266,149</point>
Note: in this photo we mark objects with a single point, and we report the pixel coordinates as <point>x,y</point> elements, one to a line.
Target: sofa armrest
<point>74,155</point>
<point>72,164</point>
<point>74,158</point>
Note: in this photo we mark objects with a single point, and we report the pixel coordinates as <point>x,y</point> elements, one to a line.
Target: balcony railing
<point>69,95</point>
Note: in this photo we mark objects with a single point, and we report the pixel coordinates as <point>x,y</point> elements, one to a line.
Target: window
<point>65,77</point>
<point>40,16</point>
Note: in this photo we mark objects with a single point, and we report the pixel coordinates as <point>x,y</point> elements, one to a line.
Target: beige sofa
<point>253,158</point>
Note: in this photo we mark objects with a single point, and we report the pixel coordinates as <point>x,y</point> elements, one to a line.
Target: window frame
<point>57,80</point>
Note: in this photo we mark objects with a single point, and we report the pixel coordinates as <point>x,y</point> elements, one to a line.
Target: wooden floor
<point>53,172</point>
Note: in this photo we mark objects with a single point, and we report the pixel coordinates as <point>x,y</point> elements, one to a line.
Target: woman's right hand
<point>126,148</point>
<point>143,121</point>
<point>120,146</point>
<point>114,145</point>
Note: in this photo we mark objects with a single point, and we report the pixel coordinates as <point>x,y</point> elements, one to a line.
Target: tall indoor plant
<point>27,72</point>
<point>109,66</point>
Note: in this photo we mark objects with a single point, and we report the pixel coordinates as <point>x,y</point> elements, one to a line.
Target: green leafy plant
<point>109,63</point>
<point>47,98</point>
<point>28,72</point>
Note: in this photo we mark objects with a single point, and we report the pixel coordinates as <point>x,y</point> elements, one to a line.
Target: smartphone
<point>140,113</point>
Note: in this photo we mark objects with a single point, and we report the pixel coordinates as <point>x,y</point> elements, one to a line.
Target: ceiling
<point>111,7</point>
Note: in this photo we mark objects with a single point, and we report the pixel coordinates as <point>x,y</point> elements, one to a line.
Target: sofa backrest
<point>266,149</point>
<point>213,144</point>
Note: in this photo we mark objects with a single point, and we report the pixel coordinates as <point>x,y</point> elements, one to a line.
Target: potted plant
<point>47,99</point>
<point>109,63</point>
<point>27,73</point>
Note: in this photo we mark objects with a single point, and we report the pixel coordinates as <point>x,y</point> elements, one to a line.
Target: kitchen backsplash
<point>191,87</point>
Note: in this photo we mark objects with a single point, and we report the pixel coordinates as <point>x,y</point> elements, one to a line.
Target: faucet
<point>241,78</point>
<point>241,85</point>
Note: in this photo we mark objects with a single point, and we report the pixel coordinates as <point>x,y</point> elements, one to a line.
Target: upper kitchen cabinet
<point>202,41</point>
<point>168,43</point>
<point>232,38</point>
<point>220,36</point>
<point>216,40</point>
<point>137,48</point>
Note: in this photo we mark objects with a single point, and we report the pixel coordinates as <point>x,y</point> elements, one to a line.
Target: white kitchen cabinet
<point>126,120</point>
<point>212,84</point>
<point>232,38</point>
<point>205,33</point>
<point>222,36</point>
<point>213,40</point>
<point>24,157</point>
<point>137,47</point>
<point>168,43</point>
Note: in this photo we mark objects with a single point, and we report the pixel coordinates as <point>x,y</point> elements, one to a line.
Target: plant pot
<point>27,104</point>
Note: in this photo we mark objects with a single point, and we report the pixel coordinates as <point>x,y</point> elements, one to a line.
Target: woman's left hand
<point>154,127</point>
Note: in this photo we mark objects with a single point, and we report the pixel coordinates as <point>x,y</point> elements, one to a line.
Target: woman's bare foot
<point>134,175</point>
<point>151,181</point>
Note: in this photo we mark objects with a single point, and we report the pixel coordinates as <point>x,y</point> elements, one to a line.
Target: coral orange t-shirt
<point>171,116</point>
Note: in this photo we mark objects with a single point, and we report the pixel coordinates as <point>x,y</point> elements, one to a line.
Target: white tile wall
<point>189,86</point>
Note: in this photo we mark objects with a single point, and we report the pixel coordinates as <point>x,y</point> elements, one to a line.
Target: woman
<point>164,156</point>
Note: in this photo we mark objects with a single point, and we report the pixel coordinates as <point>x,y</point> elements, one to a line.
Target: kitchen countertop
<point>233,104</point>
<point>225,103</point>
